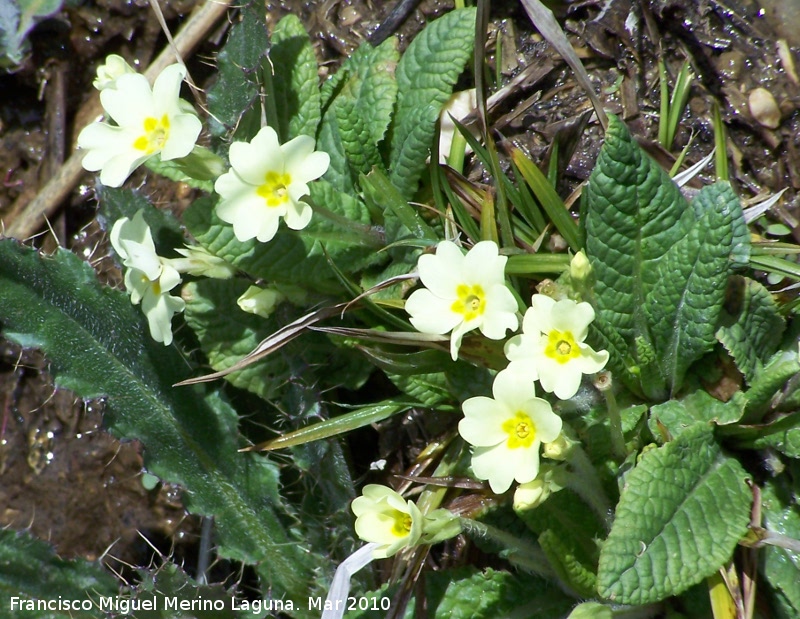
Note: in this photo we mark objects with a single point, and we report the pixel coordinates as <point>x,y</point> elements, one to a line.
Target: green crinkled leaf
<point>30,571</point>
<point>781,567</point>
<point>430,390</point>
<point>236,89</point>
<point>570,543</point>
<point>466,593</point>
<point>569,568</point>
<point>365,102</point>
<point>591,610</point>
<point>425,77</point>
<point>296,81</point>
<point>683,306</point>
<point>98,346</point>
<point>678,415</point>
<point>633,215</point>
<point>753,333</point>
<point>681,513</point>
<point>297,258</point>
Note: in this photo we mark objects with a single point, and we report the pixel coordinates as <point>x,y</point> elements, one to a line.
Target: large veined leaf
<point>363,97</point>
<point>684,304</point>
<point>754,331</point>
<point>633,214</point>
<point>30,571</point>
<point>425,77</point>
<point>296,79</point>
<point>98,346</point>
<point>682,511</point>
<point>467,593</point>
<point>781,567</point>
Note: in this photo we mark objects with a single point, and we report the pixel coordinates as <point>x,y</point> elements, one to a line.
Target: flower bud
<point>558,449</point>
<point>260,301</point>
<point>200,262</point>
<point>579,268</point>
<point>531,495</point>
<point>107,74</point>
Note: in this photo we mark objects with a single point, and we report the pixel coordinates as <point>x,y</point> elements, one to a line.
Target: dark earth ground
<point>66,480</point>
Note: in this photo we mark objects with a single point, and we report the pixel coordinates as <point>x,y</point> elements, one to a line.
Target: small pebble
<point>764,108</point>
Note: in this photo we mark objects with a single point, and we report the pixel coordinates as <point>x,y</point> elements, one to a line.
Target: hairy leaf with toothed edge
<point>681,513</point>
<point>98,346</point>
<point>425,77</point>
<point>236,89</point>
<point>30,570</point>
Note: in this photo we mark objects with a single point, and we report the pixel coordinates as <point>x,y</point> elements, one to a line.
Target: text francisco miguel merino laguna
<point>126,605</point>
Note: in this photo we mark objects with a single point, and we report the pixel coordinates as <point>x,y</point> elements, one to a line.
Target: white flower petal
<point>492,464</point>
<point>573,317</point>
<point>482,424</point>
<point>253,160</point>
<point>430,314</point>
<point>117,169</point>
<point>295,152</point>
<point>183,134</point>
<point>563,380</point>
<point>513,390</point>
<point>441,275</point>
<point>591,362</point>
<point>167,89</point>
<point>298,215</point>
<point>548,424</point>
<point>538,316</point>
<point>484,264</point>
<point>130,102</point>
<point>159,309</point>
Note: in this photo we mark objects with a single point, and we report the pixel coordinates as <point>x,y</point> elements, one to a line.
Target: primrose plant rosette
<point>148,121</point>
<point>508,430</point>
<point>551,346</point>
<point>266,183</point>
<point>462,293</point>
<point>385,518</point>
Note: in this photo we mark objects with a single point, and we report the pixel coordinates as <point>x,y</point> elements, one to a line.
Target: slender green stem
<point>615,423</point>
<point>458,149</point>
<point>585,482</point>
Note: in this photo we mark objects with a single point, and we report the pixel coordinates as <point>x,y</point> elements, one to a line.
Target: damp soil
<point>66,480</point>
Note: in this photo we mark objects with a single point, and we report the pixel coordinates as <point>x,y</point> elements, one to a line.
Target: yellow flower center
<point>155,135</point>
<point>561,346</point>
<point>520,429</point>
<point>471,301</point>
<point>274,190</point>
<point>156,285</point>
<point>401,525</point>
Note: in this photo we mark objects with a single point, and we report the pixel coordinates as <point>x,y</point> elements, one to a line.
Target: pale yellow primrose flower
<point>551,345</point>
<point>508,430</point>
<point>384,517</point>
<point>462,293</point>
<point>148,122</point>
<point>266,182</point>
<point>148,278</point>
<point>115,66</point>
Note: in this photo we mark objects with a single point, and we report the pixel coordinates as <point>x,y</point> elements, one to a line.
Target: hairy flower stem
<point>605,386</point>
<point>584,481</point>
